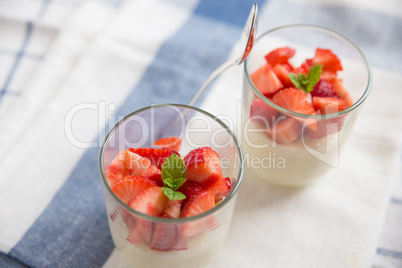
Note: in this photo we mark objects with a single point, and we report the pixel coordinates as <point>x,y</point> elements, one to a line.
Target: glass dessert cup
<point>194,241</point>
<point>306,159</point>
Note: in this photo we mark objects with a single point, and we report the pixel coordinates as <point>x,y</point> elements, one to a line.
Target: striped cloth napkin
<point>70,69</point>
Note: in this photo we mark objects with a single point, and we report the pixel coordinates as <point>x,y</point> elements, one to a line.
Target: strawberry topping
<point>156,156</point>
<point>323,89</point>
<point>279,55</point>
<point>266,80</point>
<point>169,143</point>
<point>262,112</point>
<point>128,187</point>
<point>202,164</point>
<point>327,59</point>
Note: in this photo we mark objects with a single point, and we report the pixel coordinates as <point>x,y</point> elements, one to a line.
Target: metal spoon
<point>246,44</point>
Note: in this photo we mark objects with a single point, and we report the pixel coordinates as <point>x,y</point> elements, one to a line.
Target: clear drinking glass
<point>306,159</point>
<point>183,242</point>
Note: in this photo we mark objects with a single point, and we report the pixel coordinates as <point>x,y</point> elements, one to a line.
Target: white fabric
<point>334,223</point>
<point>72,87</point>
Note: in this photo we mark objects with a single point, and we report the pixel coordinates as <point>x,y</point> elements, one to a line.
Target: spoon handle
<point>211,78</point>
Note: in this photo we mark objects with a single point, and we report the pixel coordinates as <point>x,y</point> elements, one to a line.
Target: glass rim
<point>315,116</point>
<point>218,207</point>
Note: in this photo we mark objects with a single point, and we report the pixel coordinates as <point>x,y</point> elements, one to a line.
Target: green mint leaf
<point>168,183</point>
<point>173,195</point>
<point>313,77</point>
<point>307,83</point>
<point>178,182</point>
<point>173,168</point>
<point>173,176</point>
<point>295,80</point>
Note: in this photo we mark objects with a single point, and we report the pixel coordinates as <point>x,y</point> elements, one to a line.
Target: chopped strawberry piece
<point>328,75</point>
<point>309,63</point>
<point>220,187</point>
<point>285,131</point>
<point>327,59</point>
<point>202,164</point>
<point>262,112</point>
<point>294,99</point>
<point>279,55</point>
<point>323,89</point>
<point>341,91</point>
<point>157,178</point>
<point>156,156</point>
<point>266,81</point>
<point>326,127</point>
<point>302,69</point>
<point>129,163</point>
<point>327,105</point>
<point>283,75</point>
<point>200,204</point>
<point>151,201</point>
<point>287,66</point>
<point>172,209</point>
<point>142,232</point>
<point>166,237</point>
<point>190,189</point>
<point>117,171</point>
<point>128,187</point>
<point>169,143</point>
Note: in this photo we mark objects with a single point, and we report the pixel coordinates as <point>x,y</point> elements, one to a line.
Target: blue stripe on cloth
<point>12,53</point>
<point>73,230</point>
<point>390,253</point>
<point>6,261</point>
<point>377,34</point>
<point>395,200</point>
<point>233,11</point>
<point>43,9</point>
<point>18,58</point>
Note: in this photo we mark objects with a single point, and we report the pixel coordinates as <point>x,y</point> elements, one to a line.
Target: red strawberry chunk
<point>285,131</point>
<point>191,189</point>
<point>323,89</point>
<point>200,204</point>
<point>326,127</point>
<point>166,237</point>
<point>128,187</point>
<point>302,69</point>
<point>341,91</point>
<point>157,178</point>
<point>142,232</point>
<point>328,75</point>
<point>327,105</point>
<point>172,209</point>
<point>283,75</point>
<point>154,155</point>
<point>327,59</point>
<point>279,55</point>
<point>262,112</point>
<point>129,163</point>
<point>293,99</point>
<point>202,164</point>
<point>151,201</point>
<point>266,81</point>
<point>169,143</point>
<point>220,187</point>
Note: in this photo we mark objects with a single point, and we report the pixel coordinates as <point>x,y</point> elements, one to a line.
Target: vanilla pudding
<point>296,164</point>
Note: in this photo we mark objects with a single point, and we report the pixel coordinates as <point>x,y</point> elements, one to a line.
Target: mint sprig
<point>173,176</point>
<point>307,83</point>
